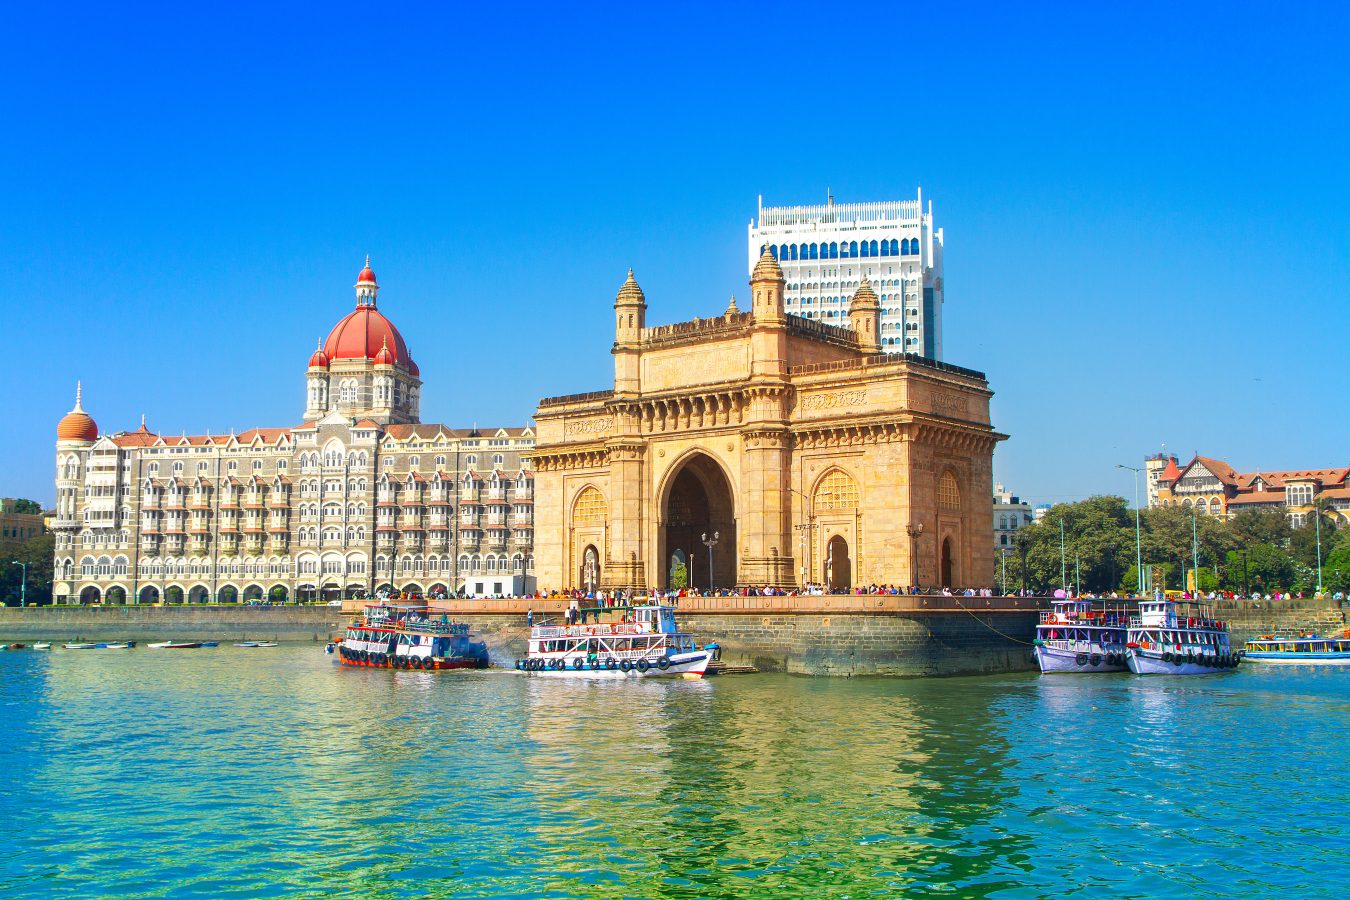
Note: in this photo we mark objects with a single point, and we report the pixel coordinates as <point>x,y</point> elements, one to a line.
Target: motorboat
<point>385,636</point>
<point>44,645</point>
<point>1075,637</point>
<point>1298,649</point>
<point>81,645</point>
<point>1172,638</point>
<point>254,644</point>
<point>175,645</point>
<point>115,645</point>
<point>622,642</point>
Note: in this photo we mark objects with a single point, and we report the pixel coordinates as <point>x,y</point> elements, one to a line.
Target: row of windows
<point>842,250</point>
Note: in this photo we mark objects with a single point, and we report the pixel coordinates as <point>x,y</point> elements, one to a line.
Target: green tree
<point>37,553</point>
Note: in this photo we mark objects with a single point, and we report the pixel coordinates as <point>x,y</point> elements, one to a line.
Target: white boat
<point>175,645</point>
<point>81,646</point>
<point>253,644</point>
<point>42,646</point>
<point>621,642</point>
<point>1168,638</point>
<point>1074,637</point>
<point>115,645</point>
<point>1298,650</point>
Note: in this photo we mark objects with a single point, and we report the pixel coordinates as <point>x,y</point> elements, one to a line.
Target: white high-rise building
<point>825,251</point>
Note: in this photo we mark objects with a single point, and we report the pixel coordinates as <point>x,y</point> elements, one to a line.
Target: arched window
<point>948,492</point>
<point>347,391</point>
<point>852,249</point>
<point>895,247</point>
<point>815,250</point>
<point>589,508</point>
<point>837,490</point>
<point>885,248</point>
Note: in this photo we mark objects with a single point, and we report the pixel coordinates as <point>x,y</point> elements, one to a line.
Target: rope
<point>992,628</point>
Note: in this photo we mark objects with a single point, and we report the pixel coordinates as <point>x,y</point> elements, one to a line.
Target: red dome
<point>319,360</point>
<point>362,333</point>
<point>367,275</point>
<point>384,357</point>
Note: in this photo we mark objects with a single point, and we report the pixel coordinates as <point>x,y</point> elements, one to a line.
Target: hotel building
<point>826,251</point>
<point>1214,488</point>
<point>361,495</point>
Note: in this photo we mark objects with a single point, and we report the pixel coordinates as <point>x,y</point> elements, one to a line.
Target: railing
<point>892,359</point>
<point>576,398</point>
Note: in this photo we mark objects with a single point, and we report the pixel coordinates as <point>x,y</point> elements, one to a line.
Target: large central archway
<point>698,501</point>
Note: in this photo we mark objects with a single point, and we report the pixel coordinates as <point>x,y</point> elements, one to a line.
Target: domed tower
<point>630,317</point>
<point>75,434</point>
<point>364,369</point>
<point>766,289</point>
<point>864,313</point>
<point>768,342</point>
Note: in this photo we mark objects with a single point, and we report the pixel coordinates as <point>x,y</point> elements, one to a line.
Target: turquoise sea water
<point>269,772</point>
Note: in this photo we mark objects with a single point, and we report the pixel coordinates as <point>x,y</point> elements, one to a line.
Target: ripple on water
<point>233,772</point>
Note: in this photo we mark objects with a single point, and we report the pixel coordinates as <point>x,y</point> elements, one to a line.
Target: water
<point>268,772</point>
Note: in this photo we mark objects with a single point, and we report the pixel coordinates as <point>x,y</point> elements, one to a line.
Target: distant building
<point>1010,514</point>
<point>1214,488</point>
<point>1038,512</point>
<point>19,526</point>
<point>826,251</point>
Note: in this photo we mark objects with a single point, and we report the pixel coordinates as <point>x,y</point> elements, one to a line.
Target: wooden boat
<point>624,641</point>
<point>81,645</point>
<point>44,645</point>
<point>1296,649</point>
<point>254,644</point>
<point>175,645</point>
<point>115,645</point>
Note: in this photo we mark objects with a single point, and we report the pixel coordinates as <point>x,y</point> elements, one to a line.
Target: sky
<point>1146,206</point>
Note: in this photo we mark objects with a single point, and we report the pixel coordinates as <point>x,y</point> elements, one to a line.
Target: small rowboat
<point>116,645</point>
<point>256,644</point>
<point>210,643</point>
<point>175,645</point>
<point>80,646</point>
<point>42,646</point>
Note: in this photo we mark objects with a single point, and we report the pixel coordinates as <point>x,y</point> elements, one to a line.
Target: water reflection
<point>265,772</point>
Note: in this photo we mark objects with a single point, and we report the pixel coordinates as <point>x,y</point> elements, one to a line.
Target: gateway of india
<point>758,448</point>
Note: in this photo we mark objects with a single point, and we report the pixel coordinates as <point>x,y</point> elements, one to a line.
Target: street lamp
<point>1138,551</point>
<point>914,532</point>
<point>710,542</point>
<point>23,583</point>
<point>1003,559</point>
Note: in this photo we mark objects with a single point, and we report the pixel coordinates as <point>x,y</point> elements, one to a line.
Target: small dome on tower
<point>767,268</point>
<point>384,357</point>
<point>319,359</point>
<point>77,425</point>
<point>864,297</point>
<point>630,292</point>
<point>367,275</point>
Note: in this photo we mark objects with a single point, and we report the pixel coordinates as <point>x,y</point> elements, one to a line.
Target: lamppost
<point>23,583</point>
<point>1138,550</point>
<point>710,542</point>
<point>914,531</point>
<point>1003,562</point>
<point>1063,568</point>
<point>1317,523</point>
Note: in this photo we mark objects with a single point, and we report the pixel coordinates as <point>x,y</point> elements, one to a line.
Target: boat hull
<point>1149,663</point>
<point>1298,659</point>
<point>364,660</point>
<point>682,665</point>
<point>1055,659</point>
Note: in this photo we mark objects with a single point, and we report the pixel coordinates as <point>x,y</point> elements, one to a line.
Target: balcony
<point>519,520</point>
<point>174,503</point>
<point>150,501</point>
<point>522,540</point>
<point>282,502</point>
<point>438,523</point>
<point>200,503</point>
<point>413,522</point>
<point>277,528</point>
<point>438,498</point>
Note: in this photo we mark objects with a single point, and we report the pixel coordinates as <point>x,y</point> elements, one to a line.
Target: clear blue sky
<point>1146,206</point>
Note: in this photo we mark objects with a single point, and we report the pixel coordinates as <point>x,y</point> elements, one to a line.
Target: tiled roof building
<point>358,496</point>
<point>1212,487</point>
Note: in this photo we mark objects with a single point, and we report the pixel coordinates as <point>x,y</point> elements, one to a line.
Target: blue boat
<point>1298,649</point>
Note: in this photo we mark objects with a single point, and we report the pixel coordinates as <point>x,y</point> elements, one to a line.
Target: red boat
<point>409,637</point>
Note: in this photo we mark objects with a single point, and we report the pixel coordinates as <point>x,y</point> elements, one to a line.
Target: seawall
<point>848,635</point>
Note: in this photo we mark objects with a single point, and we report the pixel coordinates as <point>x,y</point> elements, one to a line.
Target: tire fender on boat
<point>625,665</point>
<point>643,665</point>
<point>663,663</point>
<point>1081,659</point>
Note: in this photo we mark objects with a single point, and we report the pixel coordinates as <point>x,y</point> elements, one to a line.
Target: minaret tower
<point>864,313</point>
<point>316,382</point>
<point>630,318</point>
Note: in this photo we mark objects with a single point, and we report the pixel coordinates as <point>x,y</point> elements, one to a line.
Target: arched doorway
<point>306,593</point>
<point>229,594</point>
<point>331,591</point>
<point>199,594</point>
<point>116,594</point>
<point>149,594</point>
<point>278,593</point>
<point>677,573</point>
<point>838,567</point>
<point>89,595</point>
<point>173,595</point>
<point>590,569</point>
<point>699,501</point>
<point>947,562</point>
<point>253,593</point>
